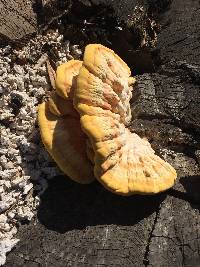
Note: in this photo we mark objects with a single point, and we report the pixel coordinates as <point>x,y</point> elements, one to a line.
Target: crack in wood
<point>147,248</point>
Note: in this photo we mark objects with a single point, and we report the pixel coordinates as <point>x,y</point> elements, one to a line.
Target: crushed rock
<point>25,166</point>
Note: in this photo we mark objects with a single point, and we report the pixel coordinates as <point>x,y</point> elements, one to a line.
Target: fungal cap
<point>104,82</point>
<point>66,143</point>
<point>93,58</point>
<point>125,163</point>
<point>66,78</point>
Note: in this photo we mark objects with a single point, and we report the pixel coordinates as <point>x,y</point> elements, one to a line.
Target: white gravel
<point>24,164</point>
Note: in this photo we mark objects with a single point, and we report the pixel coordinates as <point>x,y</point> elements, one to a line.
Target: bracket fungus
<point>60,127</point>
<point>83,126</point>
<point>123,162</point>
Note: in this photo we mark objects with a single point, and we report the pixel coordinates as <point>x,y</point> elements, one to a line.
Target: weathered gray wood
<point>86,225</point>
<point>180,35</point>
<point>169,108</point>
<point>17,19</point>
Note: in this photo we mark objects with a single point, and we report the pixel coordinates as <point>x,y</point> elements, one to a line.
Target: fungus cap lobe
<point>60,127</point>
<point>64,140</point>
<point>125,163</point>
<point>104,81</point>
<point>66,75</point>
<point>95,57</point>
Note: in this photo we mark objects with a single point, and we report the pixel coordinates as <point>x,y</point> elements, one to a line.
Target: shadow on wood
<point>192,187</point>
<point>66,206</point>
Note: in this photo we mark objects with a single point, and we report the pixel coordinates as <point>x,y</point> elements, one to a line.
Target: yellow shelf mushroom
<point>93,138</point>
<point>60,127</point>
<point>123,162</point>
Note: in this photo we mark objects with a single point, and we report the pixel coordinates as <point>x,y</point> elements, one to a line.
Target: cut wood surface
<point>80,225</point>
<point>17,19</point>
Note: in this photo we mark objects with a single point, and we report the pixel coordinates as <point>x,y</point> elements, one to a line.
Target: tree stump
<point>88,226</point>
